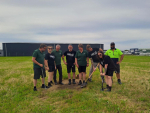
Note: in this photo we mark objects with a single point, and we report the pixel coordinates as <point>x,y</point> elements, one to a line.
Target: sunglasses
<point>50,48</point>
<point>100,55</point>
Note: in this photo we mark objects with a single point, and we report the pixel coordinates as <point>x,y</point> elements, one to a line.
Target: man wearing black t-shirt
<point>94,59</point>
<point>70,58</point>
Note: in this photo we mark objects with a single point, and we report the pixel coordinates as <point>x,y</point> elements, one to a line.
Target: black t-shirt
<point>50,58</point>
<point>93,54</point>
<point>70,57</point>
<point>108,60</point>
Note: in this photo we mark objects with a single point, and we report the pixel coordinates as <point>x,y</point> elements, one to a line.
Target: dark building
<point>26,49</point>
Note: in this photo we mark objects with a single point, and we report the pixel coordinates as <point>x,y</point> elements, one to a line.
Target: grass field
<point>17,95</point>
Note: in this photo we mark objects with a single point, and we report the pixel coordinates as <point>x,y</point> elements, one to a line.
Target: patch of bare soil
<point>65,86</point>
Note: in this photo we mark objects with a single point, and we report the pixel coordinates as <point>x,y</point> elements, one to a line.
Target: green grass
<point>17,95</point>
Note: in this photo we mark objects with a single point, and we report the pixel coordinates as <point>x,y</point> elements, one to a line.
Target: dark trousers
<point>59,68</point>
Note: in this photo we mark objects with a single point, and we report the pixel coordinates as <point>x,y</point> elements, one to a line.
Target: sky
<point>125,22</point>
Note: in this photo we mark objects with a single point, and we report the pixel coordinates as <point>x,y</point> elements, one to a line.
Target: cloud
<point>124,22</point>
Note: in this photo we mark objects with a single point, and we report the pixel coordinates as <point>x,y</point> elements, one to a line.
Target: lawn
<point>17,95</point>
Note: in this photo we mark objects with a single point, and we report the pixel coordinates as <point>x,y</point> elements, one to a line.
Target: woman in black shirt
<point>109,67</point>
<point>50,64</point>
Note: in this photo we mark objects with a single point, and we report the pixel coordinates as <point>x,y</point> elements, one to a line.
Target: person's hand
<point>41,65</point>
<point>103,74</point>
<point>55,68</point>
<point>47,68</point>
<point>74,63</point>
<point>87,65</point>
<point>94,68</point>
<point>65,63</point>
<point>118,62</point>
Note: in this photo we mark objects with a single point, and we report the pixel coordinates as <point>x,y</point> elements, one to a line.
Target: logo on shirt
<point>69,54</point>
<point>52,56</point>
<point>94,53</point>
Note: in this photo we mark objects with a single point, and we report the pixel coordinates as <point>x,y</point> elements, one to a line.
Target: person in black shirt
<point>50,64</point>
<point>92,53</point>
<point>109,67</point>
<point>70,62</point>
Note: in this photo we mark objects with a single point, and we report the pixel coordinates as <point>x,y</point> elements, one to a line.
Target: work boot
<point>74,81</point>
<point>49,84</point>
<point>119,81</point>
<point>109,89</point>
<point>80,82</point>
<point>34,89</point>
<point>69,82</point>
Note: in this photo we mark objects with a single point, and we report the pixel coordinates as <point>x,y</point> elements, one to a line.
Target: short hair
<point>49,46</point>
<point>43,45</point>
<point>80,45</point>
<point>70,45</point>
<point>58,45</point>
<point>88,46</point>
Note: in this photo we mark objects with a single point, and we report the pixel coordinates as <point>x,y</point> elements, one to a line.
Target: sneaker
<point>34,89</point>
<point>80,82</point>
<point>119,81</point>
<point>74,81</point>
<point>44,86</point>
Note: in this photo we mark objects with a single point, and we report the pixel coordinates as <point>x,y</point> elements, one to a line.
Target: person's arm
<point>64,59</point>
<point>55,65</point>
<point>106,65</point>
<point>34,60</point>
<point>87,61</point>
<point>46,64</point>
<point>101,69</point>
<point>121,58</point>
<point>87,58</point>
<point>107,61</point>
<point>76,63</point>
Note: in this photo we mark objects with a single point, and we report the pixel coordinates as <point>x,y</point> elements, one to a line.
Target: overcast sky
<point>125,22</point>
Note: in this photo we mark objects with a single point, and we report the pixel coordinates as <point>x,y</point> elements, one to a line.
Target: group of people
<point>80,59</point>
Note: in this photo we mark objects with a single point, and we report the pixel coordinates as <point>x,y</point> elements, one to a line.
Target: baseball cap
<point>112,43</point>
